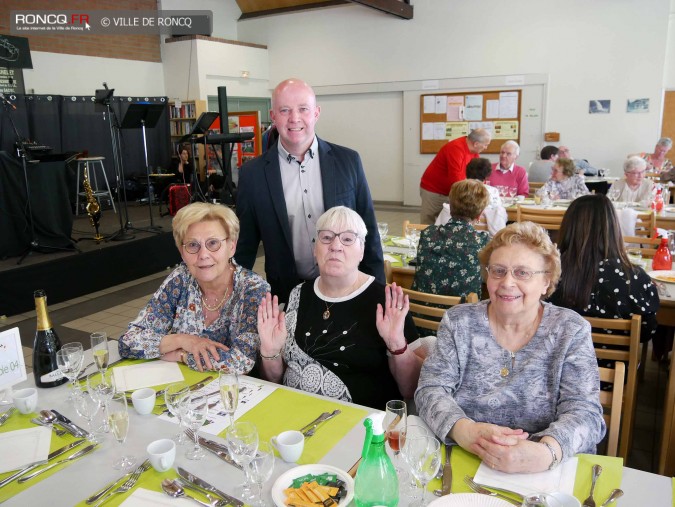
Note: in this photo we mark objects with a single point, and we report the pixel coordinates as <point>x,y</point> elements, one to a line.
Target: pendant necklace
<point>326,314</point>
<point>504,371</point>
<point>218,306</point>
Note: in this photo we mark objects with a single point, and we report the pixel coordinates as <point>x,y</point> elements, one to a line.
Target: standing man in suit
<point>283,193</point>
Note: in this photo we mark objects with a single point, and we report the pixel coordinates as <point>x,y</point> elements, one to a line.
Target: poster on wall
<point>637,106</point>
<point>599,106</point>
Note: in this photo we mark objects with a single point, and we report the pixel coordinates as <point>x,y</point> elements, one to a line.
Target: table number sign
<point>12,364</point>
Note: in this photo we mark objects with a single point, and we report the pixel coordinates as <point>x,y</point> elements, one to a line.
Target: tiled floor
<point>112,309</point>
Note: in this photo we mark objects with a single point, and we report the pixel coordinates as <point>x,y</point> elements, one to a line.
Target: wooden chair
<point>429,317</point>
<point>549,219</point>
<point>481,225</point>
<point>611,402</point>
<point>419,227</point>
<point>403,276</point>
<point>627,353</point>
<point>534,186</point>
<point>645,225</point>
<point>646,245</point>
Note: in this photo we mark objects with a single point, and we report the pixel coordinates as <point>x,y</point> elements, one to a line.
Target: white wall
<point>80,75</point>
<point>669,79</point>
<point>604,49</point>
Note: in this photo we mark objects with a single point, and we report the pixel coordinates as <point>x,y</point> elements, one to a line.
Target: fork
<point>128,484</point>
<point>483,491</point>
<point>6,415</point>
<point>56,430</point>
<point>310,431</point>
<point>590,501</point>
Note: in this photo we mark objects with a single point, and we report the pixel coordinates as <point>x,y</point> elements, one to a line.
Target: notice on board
<point>455,108</point>
<point>505,130</point>
<point>473,110</point>
<point>453,130</point>
<point>508,104</point>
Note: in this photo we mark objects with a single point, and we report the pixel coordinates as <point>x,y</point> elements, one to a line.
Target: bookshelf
<point>181,121</point>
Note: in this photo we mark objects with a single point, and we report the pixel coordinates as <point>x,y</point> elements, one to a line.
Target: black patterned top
<point>447,259</point>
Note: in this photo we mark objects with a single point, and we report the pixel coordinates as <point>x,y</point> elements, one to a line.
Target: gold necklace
<point>352,288</point>
<point>326,314</point>
<point>219,305</point>
<point>504,370</point>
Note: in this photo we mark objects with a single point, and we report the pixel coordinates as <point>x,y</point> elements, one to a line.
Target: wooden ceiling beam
<point>399,8</point>
<point>285,10</point>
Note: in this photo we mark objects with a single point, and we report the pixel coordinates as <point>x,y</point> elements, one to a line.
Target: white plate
<point>469,500</point>
<point>663,276</point>
<point>566,500</point>
<point>286,479</point>
<point>401,242</point>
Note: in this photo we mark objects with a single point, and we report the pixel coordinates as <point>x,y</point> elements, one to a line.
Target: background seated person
<point>657,161</point>
<point>447,254</point>
<point>582,165</point>
<point>506,173</point>
<point>513,379</point>
<point>540,170</point>
<point>344,335</point>
<point>564,183</point>
<point>634,187</point>
<point>182,166</point>
<point>495,214</point>
<point>204,313</point>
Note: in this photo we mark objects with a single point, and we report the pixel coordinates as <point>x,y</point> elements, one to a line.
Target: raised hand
<point>390,320</point>
<point>271,326</point>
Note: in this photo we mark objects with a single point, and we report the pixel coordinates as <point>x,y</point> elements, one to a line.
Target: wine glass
<point>383,229</point>
<point>99,350</point>
<point>414,431</point>
<point>511,193</point>
<point>395,421</point>
<point>174,396</point>
<point>118,416</point>
<point>229,392</point>
<point>412,235</point>
<point>423,455</point>
<point>87,407</point>
<point>69,360</point>
<point>195,412</point>
<point>259,469</point>
<point>242,441</point>
<point>101,388</point>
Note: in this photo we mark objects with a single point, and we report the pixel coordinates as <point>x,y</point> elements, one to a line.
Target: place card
<point>154,373</point>
<point>21,448</point>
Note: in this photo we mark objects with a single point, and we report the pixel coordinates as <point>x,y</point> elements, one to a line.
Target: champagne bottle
<point>47,342</point>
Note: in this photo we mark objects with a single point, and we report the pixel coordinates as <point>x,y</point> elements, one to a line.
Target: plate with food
<point>315,484</point>
<point>663,276</point>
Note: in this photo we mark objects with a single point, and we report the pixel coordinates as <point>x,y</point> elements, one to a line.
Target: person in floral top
<point>564,182</point>
<point>447,256</point>
<point>205,312</point>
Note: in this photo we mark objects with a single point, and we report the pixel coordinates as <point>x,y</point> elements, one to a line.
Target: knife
<point>72,428</point>
<point>51,456</point>
<point>219,451</point>
<point>193,479</point>
<point>72,457</point>
<point>446,483</point>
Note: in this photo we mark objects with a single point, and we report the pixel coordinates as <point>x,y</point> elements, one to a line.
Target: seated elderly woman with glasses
<point>514,379</point>
<point>564,183</point>
<point>343,335</point>
<point>205,311</point>
<point>634,187</point>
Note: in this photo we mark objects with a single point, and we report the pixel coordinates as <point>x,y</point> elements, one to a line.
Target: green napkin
<point>612,472</point>
<point>285,409</point>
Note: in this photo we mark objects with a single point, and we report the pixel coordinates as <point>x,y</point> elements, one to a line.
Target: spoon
<point>174,490</point>
<point>613,497</point>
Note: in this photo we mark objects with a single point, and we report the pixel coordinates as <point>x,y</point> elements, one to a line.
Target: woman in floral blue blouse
<point>447,256</point>
<point>565,183</point>
<point>205,313</point>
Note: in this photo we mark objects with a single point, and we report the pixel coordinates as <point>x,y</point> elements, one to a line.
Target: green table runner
<point>287,409</point>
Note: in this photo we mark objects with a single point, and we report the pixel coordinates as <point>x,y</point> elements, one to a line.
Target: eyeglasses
<point>499,272</point>
<point>636,173</point>
<point>347,238</point>
<point>211,244</point>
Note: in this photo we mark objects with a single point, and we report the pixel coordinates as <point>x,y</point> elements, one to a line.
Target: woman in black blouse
<point>598,279</point>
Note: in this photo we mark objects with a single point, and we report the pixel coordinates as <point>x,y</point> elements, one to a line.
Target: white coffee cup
<point>144,400</point>
<point>162,454</point>
<point>25,400</point>
<point>289,445</point>
<point>520,198</point>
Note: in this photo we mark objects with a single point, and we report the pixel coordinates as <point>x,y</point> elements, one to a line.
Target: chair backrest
<point>612,402</point>
<point>428,309</point>
<point>403,276</point>
<point>549,219</point>
<point>645,225</point>
<point>646,245</point>
<point>624,348</point>
<point>481,224</point>
<point>419,227</point>
<point>534,186</point>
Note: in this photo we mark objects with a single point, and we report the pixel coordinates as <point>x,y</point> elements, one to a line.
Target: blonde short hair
<point>535,238</point>
<point>468,199</point>
<point>203,212</point>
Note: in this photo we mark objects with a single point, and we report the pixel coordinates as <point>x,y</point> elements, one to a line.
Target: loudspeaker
<point>222,108</point>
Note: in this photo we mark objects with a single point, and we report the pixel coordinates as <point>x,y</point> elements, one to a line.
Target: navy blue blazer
<point>262,213</point>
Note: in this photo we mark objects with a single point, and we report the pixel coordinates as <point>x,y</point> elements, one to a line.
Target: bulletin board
<point>447,116</point>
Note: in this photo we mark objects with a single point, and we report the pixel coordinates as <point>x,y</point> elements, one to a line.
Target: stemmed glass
<point>383,229</point>
<point>118,415</point>
<point>423,455</point>
<point>260,470</point>
<point>69,360</point>
<point>413,237</point>
<point>511,192</point>
<point>175,396</point>
<point>229,392</point>
<point>395,422</point>
<point>412,431</point>
<point>99,350</point>
<point>101,389</point>
<point>87,407</point>
<point>242,441</point>
<point>195,412</point>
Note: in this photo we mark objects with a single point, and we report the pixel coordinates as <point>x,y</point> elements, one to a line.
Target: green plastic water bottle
<point>376,482</point>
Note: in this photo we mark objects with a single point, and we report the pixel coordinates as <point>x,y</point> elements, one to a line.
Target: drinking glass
<point>541,500</point>
<point>174,396</point>
<point>423,455</point>
<point>196,410</point>
<point>259,469</point>
<point>511,193</point>
<point>413,236</point>
<point>229,392</point>
<point>613,194</point>
<point>395,421</point>
<point>69,360</point>
<point>383,229</point>
<point>99,350</point>
<point>101,388</point>
<point>118,416</point>
<point>242,441</point>
<point>87,407</point>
